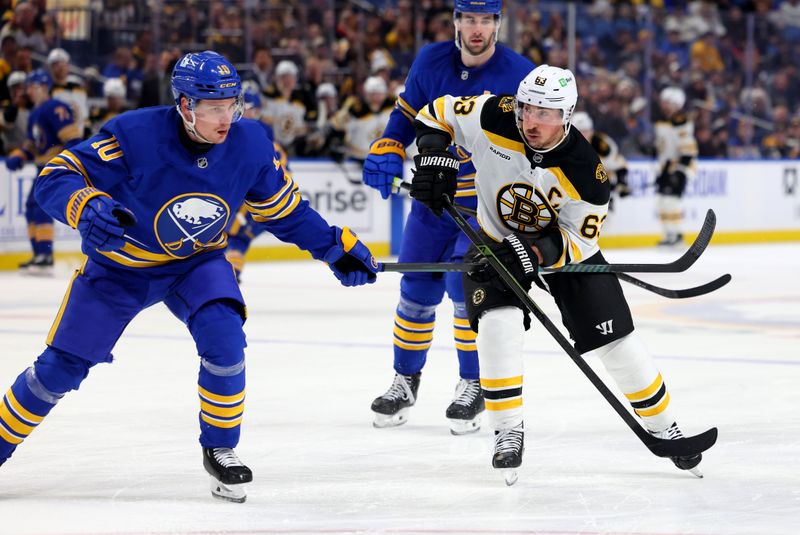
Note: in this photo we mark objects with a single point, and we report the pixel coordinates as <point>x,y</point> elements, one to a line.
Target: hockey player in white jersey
<point>542,198</point>
<point>676,149</point>
<point>614,162</point>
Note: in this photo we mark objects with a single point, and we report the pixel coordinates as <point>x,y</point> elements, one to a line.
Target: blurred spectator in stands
<point>23,27</point>
<point>742,144</point>
<point>781,90</point>
<point>381,64</point>
<point>123,66</point>
<point>68,88</point>
<point>15,112</point>
<point>156,87</point>
<point>8,51</point>
<point>674,44</point>
<point>793,138</point>
<point>114,92</point>
<point>261,71</point>
<point>756,107</point>
<point>704,54</point>
<point>225,32</point>
<point>23,60</point>
<point>289,108</point>
<point>401,44</point>
<point>141,48</point>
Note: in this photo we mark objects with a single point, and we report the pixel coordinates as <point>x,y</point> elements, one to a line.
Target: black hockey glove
<point>672,183</point>
<point>622,188</point>
<point>434,176</point>
<point>517,255</point>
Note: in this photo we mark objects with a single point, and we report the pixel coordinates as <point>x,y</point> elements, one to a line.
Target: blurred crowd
<point>737,62</point>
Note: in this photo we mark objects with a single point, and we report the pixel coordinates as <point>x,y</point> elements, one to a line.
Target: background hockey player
<point>363,119</point>
<point>614,162</point>
<point>150,196</point>
<point>542,199</point>
<point>676,150</point>
<point>475,63</point>
<point>51,127</point>
<point>242,228</point>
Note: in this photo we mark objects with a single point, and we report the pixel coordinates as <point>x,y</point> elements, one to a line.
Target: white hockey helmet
<point>375,84</point>
<point>673,96</point>
<point>582,121</point>
<point>114,87</point>
<point>548,87</point>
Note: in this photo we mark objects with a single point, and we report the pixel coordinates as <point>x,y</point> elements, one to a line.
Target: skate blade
<point>391,420</point>
<point>464,427</point>
<point>696,472</point>
<point>229,493</point>
<point>510,475</point>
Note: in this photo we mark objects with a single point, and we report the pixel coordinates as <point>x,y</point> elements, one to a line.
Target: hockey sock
<point>633,369</point>
<point>23,407</point>
<point>466,346</point>
<point>218,334</point>
<point>500,337</point>
<point>413,334</point>
<point>670,214</point>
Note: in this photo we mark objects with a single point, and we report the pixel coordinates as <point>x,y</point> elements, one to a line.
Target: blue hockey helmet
<point>39,76</point>
<point>493,7</point>
<point>204,75</point>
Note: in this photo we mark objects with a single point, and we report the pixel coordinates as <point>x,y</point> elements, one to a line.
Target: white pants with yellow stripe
<point>500,343</point>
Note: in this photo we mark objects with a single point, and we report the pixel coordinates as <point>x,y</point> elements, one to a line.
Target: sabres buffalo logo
<point>523,208</point>
<point>190,223</point>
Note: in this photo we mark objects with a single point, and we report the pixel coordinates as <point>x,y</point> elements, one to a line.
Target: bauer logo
<point>189,223</point>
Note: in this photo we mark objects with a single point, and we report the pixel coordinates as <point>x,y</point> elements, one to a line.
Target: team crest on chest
<point>522,208</point>
<point>190,223</point>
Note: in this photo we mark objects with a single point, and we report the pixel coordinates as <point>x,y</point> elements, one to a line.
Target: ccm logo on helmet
<point>229,84</point>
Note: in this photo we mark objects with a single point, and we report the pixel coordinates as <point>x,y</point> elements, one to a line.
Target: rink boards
<point>755,201</point>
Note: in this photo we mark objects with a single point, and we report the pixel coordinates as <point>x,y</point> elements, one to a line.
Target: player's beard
<point>471,49</point>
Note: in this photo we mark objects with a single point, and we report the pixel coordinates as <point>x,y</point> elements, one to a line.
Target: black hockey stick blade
<point>659,447</point>
<point>684,447</point>
<point>684,293</point>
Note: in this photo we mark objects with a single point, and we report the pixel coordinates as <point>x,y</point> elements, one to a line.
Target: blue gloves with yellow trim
<point>102,224</point>
<point>383,164</point>
<point>350,260</point>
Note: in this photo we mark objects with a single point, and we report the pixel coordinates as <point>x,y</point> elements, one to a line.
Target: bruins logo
<point>524,209</point>
<point>600,173</point>
<point>506,104</point>
<point>478,296</point>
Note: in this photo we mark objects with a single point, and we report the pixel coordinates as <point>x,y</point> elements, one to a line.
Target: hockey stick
<point>422,267</point>
<point>660,447</point>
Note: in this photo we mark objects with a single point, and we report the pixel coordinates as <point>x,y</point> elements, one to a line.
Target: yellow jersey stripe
<point>60,314</point>
<point>411,347</point>
<point>407,336</point>
<point>223,412</point>
<point>13,422</point>
<point>8,437</point>
<point>225,424</point>
<point>503,405</point>
<point>466,347</point>
<point>33,419</point>
<point>510,144</point>
<point>413,326</point>
<point>566,185</point>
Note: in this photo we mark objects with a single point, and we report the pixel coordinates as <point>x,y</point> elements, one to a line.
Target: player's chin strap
<point>190,127</point>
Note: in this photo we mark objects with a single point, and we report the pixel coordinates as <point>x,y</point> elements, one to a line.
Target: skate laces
<point>508,440</point>
<point>672,432</point>
<point>226,457</point>
<point>400,389</point>
<point>466,392</point>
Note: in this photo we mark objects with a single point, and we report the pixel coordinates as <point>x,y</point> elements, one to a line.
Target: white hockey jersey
<point>560,197</point>
<point>676,146</point>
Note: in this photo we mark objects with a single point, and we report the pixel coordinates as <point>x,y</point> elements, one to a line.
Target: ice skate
<point>465,411</point>
<point>689,462</point>
<point>391,409</point>
<point>509,444</point>
<point>40,265</point>
<point>228,474</point>
<point>671,240</point>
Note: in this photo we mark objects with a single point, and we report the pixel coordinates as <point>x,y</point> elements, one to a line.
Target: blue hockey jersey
<point>182,200</point>
<point>51,127</point>
<point>438,71</point>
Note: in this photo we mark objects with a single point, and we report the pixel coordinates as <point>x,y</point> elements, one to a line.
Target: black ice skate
<point>671,240</point>
<point>228,474</point>
<point>688,462</point>
<point>465,411</point>
<point>41,265</point>
<point>509,444</point>
<point>391,409</point>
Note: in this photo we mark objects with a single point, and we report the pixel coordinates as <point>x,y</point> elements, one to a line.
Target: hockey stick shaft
<point>659,447</point>
<point>440,267</point>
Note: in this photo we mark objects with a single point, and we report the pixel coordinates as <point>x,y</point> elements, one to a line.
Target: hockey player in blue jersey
<point>474,64</point>
<point>151,195</point>
<point>242,229</point>
<point>51,127</point>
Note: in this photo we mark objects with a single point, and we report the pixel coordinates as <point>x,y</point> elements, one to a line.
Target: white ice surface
<point>121,455</point>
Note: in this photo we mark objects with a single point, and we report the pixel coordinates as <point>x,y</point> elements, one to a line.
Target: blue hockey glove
<point>384,162</point>
<point>102,224</point>
<point>350,260</point>
<point>14,163</point>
